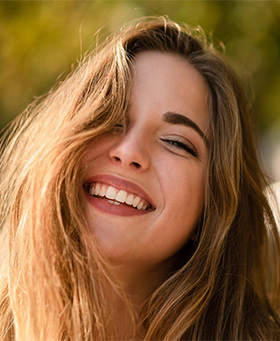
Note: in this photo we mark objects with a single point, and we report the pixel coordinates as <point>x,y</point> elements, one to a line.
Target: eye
<point>178,144</point>
<point>118,128</point>
<point>121,126</point>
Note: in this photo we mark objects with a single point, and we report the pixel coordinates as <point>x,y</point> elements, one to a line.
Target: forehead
<point>170,83</point>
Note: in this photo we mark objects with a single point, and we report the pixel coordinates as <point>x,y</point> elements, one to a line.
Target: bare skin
<point>159,160</point>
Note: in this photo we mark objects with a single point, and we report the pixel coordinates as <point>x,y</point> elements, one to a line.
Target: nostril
<point>136,164</point>
<point>116,158</point>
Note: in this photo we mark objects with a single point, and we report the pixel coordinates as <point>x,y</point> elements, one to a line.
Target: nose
<point>130,152</point>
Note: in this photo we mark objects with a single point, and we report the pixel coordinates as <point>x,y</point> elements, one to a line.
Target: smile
<point>117,196</point>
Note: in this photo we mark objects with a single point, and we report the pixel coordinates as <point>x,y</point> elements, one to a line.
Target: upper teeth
<point>117,196</point>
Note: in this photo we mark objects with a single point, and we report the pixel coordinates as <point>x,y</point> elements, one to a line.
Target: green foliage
<point>42,40</point>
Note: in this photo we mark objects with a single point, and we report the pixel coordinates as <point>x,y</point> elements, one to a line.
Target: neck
<point>138,283</point>
<point>140,280</point>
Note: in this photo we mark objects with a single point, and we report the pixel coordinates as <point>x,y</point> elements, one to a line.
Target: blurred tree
<point>42,40</point>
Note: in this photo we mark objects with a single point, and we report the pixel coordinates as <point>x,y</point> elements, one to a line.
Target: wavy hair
<point>52,274</point>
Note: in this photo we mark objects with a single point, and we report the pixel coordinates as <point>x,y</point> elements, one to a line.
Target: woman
<point>132,201</point>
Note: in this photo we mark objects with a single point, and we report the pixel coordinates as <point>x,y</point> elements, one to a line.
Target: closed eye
<point>181,145</point>
<point>118,128</point>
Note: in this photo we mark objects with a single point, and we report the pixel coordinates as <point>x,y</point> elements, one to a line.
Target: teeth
<point>136,201</point>
<point>129,199</point>
<point>121,196</point>
<point>97,189</point>
<point>92,190</point>
<point>140,205</point>
<point>116,197</point>
<point>102,191</point>
<point>111,193</point>
<point>114,202</point>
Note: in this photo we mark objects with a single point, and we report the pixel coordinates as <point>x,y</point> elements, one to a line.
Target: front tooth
<point>111,193</point>
<point>97,189</point>
<point>129,199</point>
<point>140,205</point>
<point>92,190</point>
<point>121,196</point>
<point>136,201</point>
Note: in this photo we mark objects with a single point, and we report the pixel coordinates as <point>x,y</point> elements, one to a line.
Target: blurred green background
<point>42,40</point>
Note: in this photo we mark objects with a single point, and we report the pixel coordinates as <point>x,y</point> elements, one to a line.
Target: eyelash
<point>181,145</point>
<point>118,128</point>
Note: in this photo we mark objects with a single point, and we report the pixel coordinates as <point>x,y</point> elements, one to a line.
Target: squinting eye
<point>181,145</point>
<point>118,128</point>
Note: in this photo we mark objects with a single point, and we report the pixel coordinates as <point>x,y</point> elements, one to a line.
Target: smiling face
<point>144,187</point>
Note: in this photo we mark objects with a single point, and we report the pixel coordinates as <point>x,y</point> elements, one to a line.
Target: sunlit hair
<point>52,271</point>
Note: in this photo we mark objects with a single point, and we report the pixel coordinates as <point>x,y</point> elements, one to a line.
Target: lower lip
<point>121,210</point>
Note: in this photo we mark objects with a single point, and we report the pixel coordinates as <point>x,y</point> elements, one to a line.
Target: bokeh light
<point>41,41</point>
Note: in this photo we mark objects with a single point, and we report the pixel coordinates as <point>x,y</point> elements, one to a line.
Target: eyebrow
<point>175,118</point>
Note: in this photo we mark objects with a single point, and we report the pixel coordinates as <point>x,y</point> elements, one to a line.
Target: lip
<point>122,184</point>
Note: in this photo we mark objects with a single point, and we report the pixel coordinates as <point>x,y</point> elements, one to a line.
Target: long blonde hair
<point>52,279</point>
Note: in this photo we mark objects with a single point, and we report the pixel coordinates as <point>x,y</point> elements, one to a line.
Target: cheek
<point>98,148</point>
<point>183,188</point>
<point>183,182</point>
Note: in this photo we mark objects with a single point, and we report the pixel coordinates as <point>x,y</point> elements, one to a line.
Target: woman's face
<point>157,165</point>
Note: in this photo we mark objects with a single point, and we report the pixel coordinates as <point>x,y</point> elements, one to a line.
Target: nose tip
<point>130,154</point>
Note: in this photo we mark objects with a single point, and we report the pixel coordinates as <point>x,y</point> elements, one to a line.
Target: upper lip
<point>122,184</point>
